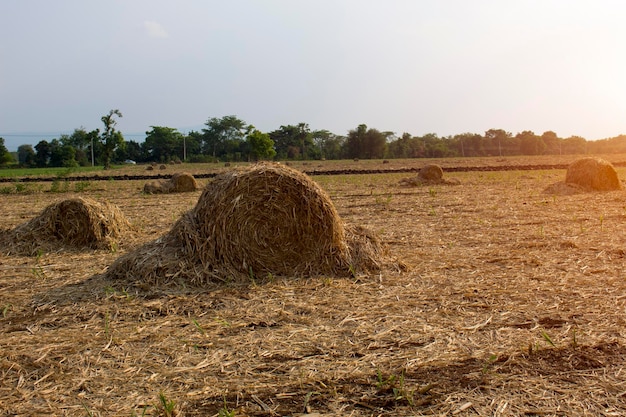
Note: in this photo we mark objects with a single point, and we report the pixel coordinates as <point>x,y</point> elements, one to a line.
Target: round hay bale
<point>593,174</point>
<point>183,182</point>
<point>227,164</point>
<point>430,172</point>
<point>264,220</point>
<point>180,182</point>
<point>75,223</point>
<point>162,166</point>
<point>149,168</point>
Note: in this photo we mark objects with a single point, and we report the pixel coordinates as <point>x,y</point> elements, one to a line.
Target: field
<point>497,300</point>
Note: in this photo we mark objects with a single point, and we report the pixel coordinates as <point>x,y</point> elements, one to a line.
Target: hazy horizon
<point>431,66</point>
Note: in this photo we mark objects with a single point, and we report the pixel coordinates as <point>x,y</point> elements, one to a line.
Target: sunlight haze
<point>445,67</point>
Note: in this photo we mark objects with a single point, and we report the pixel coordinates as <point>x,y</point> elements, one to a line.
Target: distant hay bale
<point>172,162</point>
<point>149,168</point>
<point>430,172</point>
<point>181,182</point>
<point>227,164</point>
<point>75,223</point>
<point>260,221</point>
<point>162,166</point>
<point>428,175</point>
<point>593,174</point>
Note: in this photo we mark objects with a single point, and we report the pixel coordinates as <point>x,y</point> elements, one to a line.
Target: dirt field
<point>501,301</point>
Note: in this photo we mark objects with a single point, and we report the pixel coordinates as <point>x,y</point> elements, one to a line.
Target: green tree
<point>5,156</point>
<point>26,156</point>
<point>260,145</point>
<point>162,143</point>
<point>43,153</point>
<point>62,155</point>
<point>110,138</point>
<point>327,145</point>
<point>224,137</point>
<point>294,142</point>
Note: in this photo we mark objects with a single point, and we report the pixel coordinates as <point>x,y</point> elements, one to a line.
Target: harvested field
<point>509,302</point>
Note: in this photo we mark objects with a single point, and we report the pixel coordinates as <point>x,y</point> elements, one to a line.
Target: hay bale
<point>180,182</point>
<point>428,175</point>
<point>183,182</point>
<point>149,168</point>
<point>430,172</point>
<point>593,174</point>
<point>162,166</point>
<point>264,220</point>
<point>69,224</point>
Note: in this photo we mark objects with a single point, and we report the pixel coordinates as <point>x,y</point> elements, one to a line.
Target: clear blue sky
<point>417,66</point>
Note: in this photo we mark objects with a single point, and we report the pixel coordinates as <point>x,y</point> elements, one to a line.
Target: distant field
<point>509,301</point>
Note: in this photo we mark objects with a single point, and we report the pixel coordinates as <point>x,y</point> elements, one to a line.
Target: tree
<point>110,138</point>
<point>26,156</point>
<point>5,156</point>
<point>552,142</point>
<point>294,142</point>
<point>162,142</point>
<point>223,137</point>
<point>498,142</point>
<point>260,145</point>
<point>62,155</point>
<point>327,144</point>
<point>43,153</point>
<point>529,143</point>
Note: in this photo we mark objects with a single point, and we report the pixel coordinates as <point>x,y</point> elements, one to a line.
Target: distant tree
<point>498,142</point>
<point>529,143</point>
<point>26,156</point>
<point>134,151</point>
<point>162,142</point>
<point>62,155</point>
<point>327,144</point>
<point>574,145</point>
<point>81,141</point>
<point>552,143</point>
<point>294,142</point>
<point>5,156</point>
<point>224,137</point>
<point>110,138</point>
<point>260,145</point>
<point>43,153</point>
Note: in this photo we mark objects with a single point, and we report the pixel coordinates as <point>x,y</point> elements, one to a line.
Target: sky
<point>416,66</point>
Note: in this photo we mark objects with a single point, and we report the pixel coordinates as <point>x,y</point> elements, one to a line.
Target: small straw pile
<point>587,174</point>
<point>181,182</point>
<point>428,174</point>
<point>69,224</point>
<point>254,223</point>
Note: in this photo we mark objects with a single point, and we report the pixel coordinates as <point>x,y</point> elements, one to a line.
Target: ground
<point>497,299</point>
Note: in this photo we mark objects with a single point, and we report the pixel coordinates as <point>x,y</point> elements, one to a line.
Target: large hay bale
<point>430,172</point>
<point>251,223</point>
<point>180,182</point>
<point>593,174</point>
<point>74,223</point>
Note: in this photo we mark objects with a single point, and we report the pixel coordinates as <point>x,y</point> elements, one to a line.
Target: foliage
<point>110,138</point>
<point>5,156</point>
<point>260,146</point>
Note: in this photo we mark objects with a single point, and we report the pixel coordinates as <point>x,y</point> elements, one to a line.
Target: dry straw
<point>69,224</point>
<point>427,175</point>
<point>594,174</point>
<point>254,223</point>
<point>179,183</point>
<point>587,174</point>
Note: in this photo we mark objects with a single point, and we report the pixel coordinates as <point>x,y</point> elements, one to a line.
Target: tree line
<point>231,139</point>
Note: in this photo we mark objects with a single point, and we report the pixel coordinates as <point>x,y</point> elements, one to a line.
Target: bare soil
<point>498,300</point>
